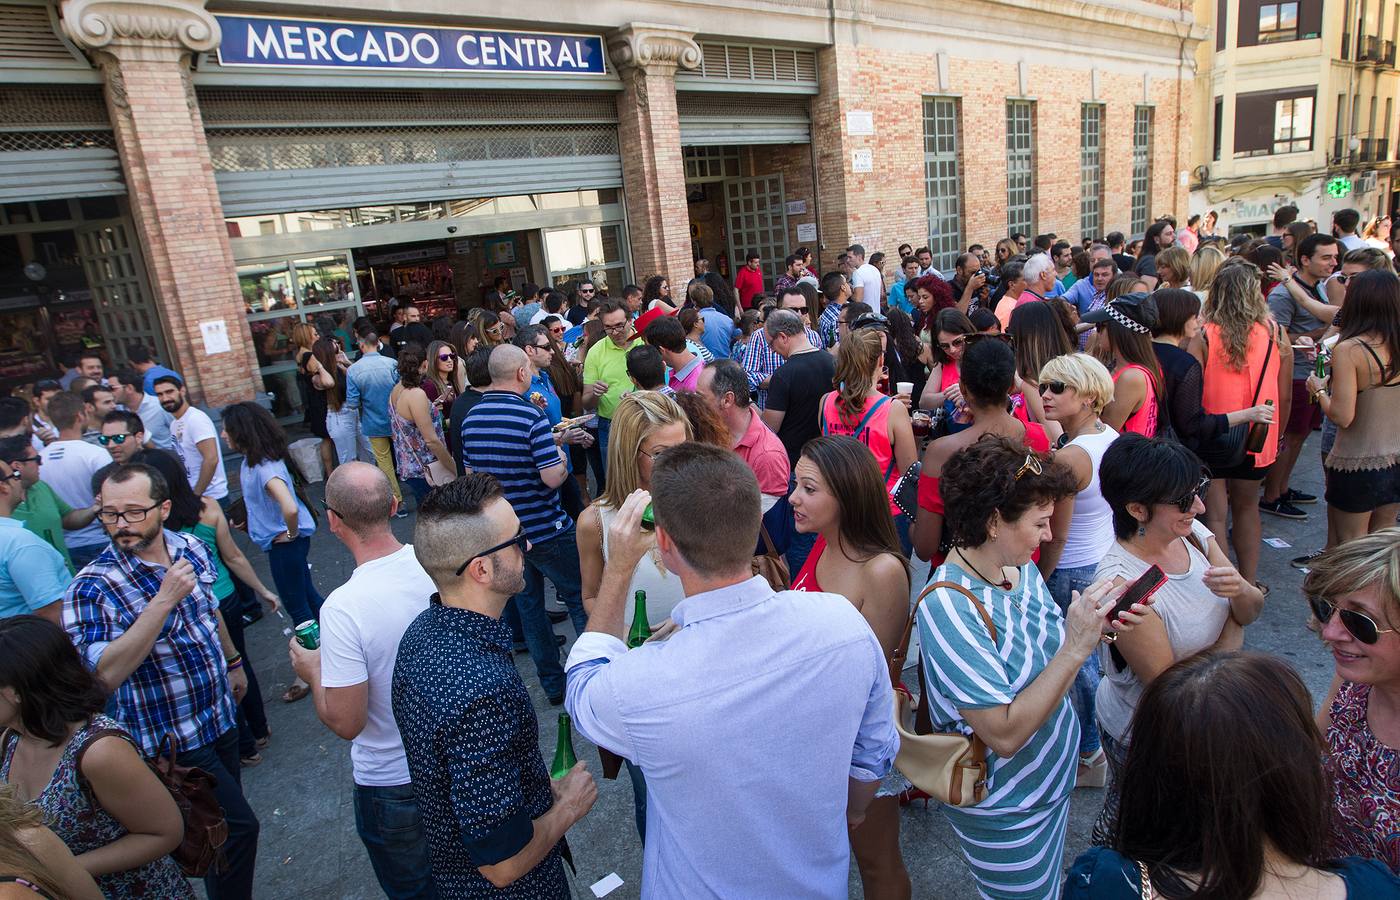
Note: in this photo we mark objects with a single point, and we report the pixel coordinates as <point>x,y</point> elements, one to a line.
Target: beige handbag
<point>951,768</point>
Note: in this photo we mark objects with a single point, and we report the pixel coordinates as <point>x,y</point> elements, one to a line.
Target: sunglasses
<point>956,343</point>
<point>1184,504</point>
<point>1031,465</point>
<point>1055,387</point>
<point>117,439</point>
<point>518,541</point>
<point>14,475</point>
<point>1359,625</point>
<point>445,357</point>
<point>542,346</point>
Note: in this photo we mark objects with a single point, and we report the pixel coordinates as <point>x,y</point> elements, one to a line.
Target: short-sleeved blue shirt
<point>32,573</point>
<point>509,437</point>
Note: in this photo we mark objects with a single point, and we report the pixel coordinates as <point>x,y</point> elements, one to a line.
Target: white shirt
<point>186,432</point>
<point>868,277</point>
<point>1351,242</point>
<point>156,422</point>
<point>362,622</point>
<point>931,271</point>
<point>68,467</point>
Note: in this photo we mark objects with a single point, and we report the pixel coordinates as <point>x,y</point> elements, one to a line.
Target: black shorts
<point>1362,491</point>
<point>1245,471</point>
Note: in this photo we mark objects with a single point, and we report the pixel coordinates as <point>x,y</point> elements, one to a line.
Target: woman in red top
<point>987,379</point>
<point>840,496</point>
<point>1124,344</point>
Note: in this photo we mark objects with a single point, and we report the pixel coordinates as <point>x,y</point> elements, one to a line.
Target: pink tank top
<point>1144,421</point>
<point>872,429</point>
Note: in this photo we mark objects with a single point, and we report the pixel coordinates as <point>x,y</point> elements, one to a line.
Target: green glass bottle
<point>648,519</point>
<point>641,628</point>
<point>564,758</point>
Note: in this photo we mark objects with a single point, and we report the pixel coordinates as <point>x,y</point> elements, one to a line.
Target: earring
<point>1142,530</point>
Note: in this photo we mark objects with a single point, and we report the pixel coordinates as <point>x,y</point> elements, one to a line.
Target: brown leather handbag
<point>951,768</point>
<point>771,564</point>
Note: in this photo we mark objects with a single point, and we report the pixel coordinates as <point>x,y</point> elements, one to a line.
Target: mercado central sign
<point>318,43</point>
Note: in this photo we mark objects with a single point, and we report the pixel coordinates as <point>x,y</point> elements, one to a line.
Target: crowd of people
<point>1046,426</point>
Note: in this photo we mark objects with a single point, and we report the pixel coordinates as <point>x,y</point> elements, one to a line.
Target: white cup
<point>904,387</point>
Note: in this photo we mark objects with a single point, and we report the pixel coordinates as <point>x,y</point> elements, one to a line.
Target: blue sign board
<point>321,44</point>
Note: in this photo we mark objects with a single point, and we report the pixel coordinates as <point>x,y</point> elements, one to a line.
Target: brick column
<point>144,51</point>
<point>649,131</point>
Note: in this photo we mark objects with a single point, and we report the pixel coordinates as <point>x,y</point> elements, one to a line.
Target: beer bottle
<point>641,628</point>
<point>564,758</point>
<point>1258,431</point>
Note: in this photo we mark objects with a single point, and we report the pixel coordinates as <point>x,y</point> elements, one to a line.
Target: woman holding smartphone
<point>1154,488</point>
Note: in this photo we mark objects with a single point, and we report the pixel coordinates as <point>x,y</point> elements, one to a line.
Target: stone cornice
<point>183,26</point>
<point>658,48</point>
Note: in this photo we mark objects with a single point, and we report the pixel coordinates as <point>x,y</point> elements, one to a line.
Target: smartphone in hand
<point>1146,585</point>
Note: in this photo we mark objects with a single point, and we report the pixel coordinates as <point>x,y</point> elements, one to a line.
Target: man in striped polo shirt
<point>509,437</point>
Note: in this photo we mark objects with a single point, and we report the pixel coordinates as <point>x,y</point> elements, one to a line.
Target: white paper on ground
<point>1277,543</point>
<point>606,885</point>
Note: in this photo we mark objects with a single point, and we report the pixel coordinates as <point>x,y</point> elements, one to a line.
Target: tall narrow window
<point>1219,134</point>
<point>1383,153</point>
<point>942,182</point>
<point>1090,170</point>
<point>1020,166</point>
<point>1142,168</point>
<point>1293,125</point>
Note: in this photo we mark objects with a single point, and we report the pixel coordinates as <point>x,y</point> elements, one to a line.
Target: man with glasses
<point>761,359</point>
<point>507,436</point>
<point>539,352</point>
<point>122,435</point>
<point>605,369</point>
<point>492,816</point>
<point>351,674</point>
<point>33,574</point>
<point>144,617</point>
<point>578,306</point>
<point>41,510</point>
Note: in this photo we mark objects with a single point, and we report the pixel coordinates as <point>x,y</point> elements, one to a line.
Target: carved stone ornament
<point>653,47</point>
<point>182,24</point>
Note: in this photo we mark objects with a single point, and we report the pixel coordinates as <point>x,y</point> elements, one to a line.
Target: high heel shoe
<point>911,794</point>
<point>1093,770</point>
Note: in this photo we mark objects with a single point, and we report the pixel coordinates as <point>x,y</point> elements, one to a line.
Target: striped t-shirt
<point>509,437</point>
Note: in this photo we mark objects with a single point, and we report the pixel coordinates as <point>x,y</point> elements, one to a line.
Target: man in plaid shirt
<point>144,616</point>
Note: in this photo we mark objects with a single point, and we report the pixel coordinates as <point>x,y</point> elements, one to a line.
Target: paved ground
<point>302,790</point>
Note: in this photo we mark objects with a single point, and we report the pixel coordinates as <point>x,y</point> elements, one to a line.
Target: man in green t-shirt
<point>605,368</point>
<point>43,512</point>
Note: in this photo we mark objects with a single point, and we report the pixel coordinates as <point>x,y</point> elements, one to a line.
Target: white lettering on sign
<point>316,43</point>
<point>473,59</point>
<point>425,49</point>
<point>342,54</point>
<point>266,46</point>
<point>291,42</point>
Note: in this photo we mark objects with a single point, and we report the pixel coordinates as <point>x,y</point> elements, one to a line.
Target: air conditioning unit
<point>1366,183</point>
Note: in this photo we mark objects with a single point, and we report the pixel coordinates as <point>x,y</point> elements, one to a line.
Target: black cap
<point>871,320</point>
<point>1136,312</point>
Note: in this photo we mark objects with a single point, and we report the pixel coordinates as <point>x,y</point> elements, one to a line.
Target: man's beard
<point>143,540</point>
<point>509,583</point>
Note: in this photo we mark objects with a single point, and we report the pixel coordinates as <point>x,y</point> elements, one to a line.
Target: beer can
<point>308,634</point>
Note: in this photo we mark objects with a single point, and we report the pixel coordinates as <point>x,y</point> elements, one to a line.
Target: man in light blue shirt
<point>33,575</point>
<point>763,723</point>
<point>1088,294</point>
<point>719,327</point>
<point>368,382</point>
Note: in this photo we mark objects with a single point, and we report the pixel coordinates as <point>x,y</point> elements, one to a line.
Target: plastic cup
<point>904,387</point>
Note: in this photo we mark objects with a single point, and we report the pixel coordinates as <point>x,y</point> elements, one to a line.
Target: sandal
<point>262,742</point>
<point>296,692</point>
<point>249,761</point>
<point>1093,770</point>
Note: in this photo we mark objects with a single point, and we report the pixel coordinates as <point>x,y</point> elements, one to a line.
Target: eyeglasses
<point>1184,503</point>
<point>518,541</point>
<point>118,439</point>
<point>1031,465</point>
<point>557,329</point>
<point>495,330</point>
<point>653,454</point>
<point>446,357</point>
<point>545,346</point>
<point>132,516</point>
<point>1055,387</point>
<point>37,459</point>
<point>330,509</point>
<point>956,343</point>
<point>14,475</point>
<point>1359,625</point>
<point>619,328</point>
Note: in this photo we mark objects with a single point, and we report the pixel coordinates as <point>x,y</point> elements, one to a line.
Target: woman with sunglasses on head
<point>1354,591</point>
<point>1224,795</point>
<point>446,377</point>
<point>989,374</point>
<point>840,496</point>
<point>1074,389</point>
<point>1007,683</point>
<point>1154,489</point>
<point>644,424</point>
<point>1363,467</point>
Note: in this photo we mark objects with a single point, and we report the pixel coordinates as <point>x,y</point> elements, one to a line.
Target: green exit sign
<point>1339,186</point>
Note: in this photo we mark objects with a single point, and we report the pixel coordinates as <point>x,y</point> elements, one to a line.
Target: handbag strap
<point>767,540</point>
<point>902,651</point>
<point>1144,880</point>
<point>1268,353</point>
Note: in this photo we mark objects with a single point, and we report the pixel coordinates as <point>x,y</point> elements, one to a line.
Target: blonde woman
<point>1205,262</point>
<point>34,863</point>
<point>1174,268</point>
<point>1377,234</point>
<point>644,424</point>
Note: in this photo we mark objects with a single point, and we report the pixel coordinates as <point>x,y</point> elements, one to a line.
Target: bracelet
<point>1108,638</point>
<point>236,662</point>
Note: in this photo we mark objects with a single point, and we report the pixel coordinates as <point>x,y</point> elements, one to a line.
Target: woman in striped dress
<point>1009,690</point>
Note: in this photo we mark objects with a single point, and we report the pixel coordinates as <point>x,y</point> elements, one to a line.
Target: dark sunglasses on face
<point>956,343</point>
<point>1055,387</point>
<point>1184,504</point>
<point>445,357</point>
<point>518,541</point>
<point>117,439</point>
<point>1358,625</point>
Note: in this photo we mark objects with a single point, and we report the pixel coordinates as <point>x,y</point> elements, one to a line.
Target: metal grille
<point>1090,171</point>
<point>26,33</point>
<point>25,141</point>
<point>275,149</point>
<point>742,62</point>
<point>79,107</point>
<point>1020,166</point>
<point>758,222</point>
<point>1142,168</point>
<point>729,105</point>
<point>942,184</point>
<point>112,261</point>
<point>403,107</point>
<point>711,163</point>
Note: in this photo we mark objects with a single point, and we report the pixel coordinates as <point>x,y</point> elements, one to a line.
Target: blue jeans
<point>419,487</point>
<point>1062,583</point>
<point>293,579</point>
<point>557,560</point>
<point>389,824</point>
<point>220,759</point>
<point>85,554</point>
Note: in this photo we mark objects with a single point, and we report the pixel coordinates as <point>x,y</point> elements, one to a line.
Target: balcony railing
<point>1388,54</point>
<point>1367,145</point>
<point>1341,153</point>
<point>1382,148</point>
<point>1370,49</point>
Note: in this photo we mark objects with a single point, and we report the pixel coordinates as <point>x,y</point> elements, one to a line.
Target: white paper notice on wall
<point>807,231</point>
<point>860,121</point>
<point>862,161</point>
<point>215,336</point>
<point>796,207</point>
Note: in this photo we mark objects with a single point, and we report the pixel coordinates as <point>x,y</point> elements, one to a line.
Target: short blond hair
<point>1358,564</point>
<point>1085,374</point>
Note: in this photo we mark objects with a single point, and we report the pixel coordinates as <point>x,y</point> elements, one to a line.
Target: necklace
<point>1004,584</point>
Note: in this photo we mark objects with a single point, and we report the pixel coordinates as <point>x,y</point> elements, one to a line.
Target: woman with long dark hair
<point>945,340</point>
<point>312,379</point>
<point>840,496</point>
<point>1363,467</point>
<point>908,349</point>
<point>279,521</point>
<point>657,289</point>
<point>1040,336</point>
<point>81,769</point>
<point>1124,345</point>
<point>1223,794</point>
<point>725,298</point>
<point>416,424</point>
<point>446,376</point>
<point>342,422</point>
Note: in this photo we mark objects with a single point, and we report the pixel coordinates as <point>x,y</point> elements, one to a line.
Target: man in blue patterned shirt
<point>144,616</point>
<point>495,820</point>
